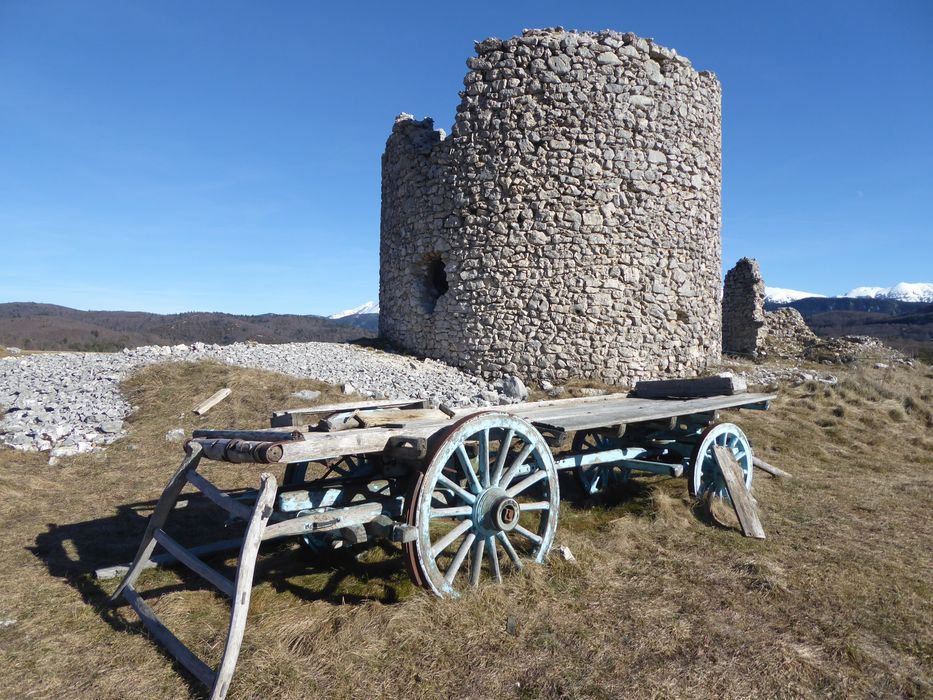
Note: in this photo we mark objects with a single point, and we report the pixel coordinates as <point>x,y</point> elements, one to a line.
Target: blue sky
<point>171,156</point>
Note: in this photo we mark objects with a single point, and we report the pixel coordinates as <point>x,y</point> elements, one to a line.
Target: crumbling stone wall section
<point>786,333</point>
<point>569,225</point>
<point>743,309</point>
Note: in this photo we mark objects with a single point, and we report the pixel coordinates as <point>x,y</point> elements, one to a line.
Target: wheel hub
<point>496,511</point>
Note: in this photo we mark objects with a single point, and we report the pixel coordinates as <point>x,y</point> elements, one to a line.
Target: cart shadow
<point>73,552</point>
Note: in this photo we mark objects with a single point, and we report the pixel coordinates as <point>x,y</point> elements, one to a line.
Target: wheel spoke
<point>464,495</point>
<point>451,512</point>
<point>467,467</point>
<point>536,505</point>
<point>484,457</point>
<point>493,559</point>
<point>445,541</point>
<point>476,566</point>
<point>459,557</point>
<point>533,478</point>
<point>528,534</point>
<point>504,446</point>
<point>516,463</point>
<point>509,549</point>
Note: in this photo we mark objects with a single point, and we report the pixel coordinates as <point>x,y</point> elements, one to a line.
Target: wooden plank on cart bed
<point>312,414</point>
<point>691,388</point>
<point>742,500</point>
<point>631,410</point>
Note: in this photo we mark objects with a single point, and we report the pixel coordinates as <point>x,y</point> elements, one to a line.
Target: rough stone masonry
<point>743,309</point>
<point>570,224</point>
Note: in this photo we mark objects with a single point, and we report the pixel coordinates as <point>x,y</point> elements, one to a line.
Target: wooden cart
<point>468,494</point>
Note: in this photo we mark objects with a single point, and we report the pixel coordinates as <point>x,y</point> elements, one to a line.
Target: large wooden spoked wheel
<point>479,516</point>
<point>704,479</point>
<point>596,479</point>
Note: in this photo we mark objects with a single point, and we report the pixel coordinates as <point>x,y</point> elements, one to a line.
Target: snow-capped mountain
<point>779,295</point>
<point>903,291</point>
<point>370,307</point>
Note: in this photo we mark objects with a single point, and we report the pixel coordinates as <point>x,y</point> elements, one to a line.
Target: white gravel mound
<point>68,403</point>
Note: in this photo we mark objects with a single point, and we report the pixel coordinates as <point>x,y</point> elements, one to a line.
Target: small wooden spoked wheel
<point>487,502</point>
<point>704,479</point>
<point>597,479</point>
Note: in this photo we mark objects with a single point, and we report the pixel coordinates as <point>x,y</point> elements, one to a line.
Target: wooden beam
<point>773,471</point>
<point>691,388</point>
<point>169,641</point>
<point>239,451</point>
<point>208,404</point>
<point>162,510</point>
<point>273,434</point>
<point>246,564</point>
<point>212,576</point>
<point>333,519</point>
<point>232,506</point>
<point>312,414</point>
<point>742,500</point>
<point>166,558</point>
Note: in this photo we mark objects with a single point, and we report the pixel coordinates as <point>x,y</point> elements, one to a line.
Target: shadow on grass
<point>74,552</point>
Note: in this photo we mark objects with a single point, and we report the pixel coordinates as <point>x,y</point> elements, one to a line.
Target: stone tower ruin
<point>570,224</point>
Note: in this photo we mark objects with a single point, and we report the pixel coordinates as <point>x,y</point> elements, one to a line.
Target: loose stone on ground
<point>70,403</point>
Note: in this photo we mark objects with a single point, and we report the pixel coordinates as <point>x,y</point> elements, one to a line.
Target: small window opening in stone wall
<point>434,281</point>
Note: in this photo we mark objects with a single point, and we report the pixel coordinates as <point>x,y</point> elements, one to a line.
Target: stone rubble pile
<point>786,334</point>
<point>70,403</point>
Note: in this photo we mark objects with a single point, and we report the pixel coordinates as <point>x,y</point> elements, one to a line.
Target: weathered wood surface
<point>219,498</point>
<point>169,641</point>
<point>772,470</point>
<point>562,414</point>
<point>624,410</point>
<point>183,555</point>
<point>239,451</point>
<point>157,520</point>
<point>742,500</point>
<point>691,388</point>
<point>263,435</point>
<point>333,519</point>
<point>209,403</point>
<point>246,565</point>
<point>313,414</point>
<point>165,558</point>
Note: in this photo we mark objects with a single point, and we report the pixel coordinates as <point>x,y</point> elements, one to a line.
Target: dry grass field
<point>661,602</point>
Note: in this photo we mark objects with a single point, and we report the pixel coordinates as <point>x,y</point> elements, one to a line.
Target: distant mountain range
<point>365,316</point>
<point>50,327</point>
<point>903,291</point>
<point>370,307</point>
<point>904,324</point>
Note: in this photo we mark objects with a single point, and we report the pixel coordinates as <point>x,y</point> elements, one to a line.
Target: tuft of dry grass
<point>660,602</point>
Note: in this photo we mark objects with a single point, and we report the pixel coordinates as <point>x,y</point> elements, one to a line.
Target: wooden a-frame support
<point>237,590</point>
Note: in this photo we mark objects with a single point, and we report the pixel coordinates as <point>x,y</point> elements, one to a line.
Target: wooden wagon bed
<point>327,432</point>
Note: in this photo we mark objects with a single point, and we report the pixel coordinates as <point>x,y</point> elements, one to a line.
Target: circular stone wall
<point>569,226</point>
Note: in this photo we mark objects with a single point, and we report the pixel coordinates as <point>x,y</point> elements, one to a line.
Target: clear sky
<point>224,156</point>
